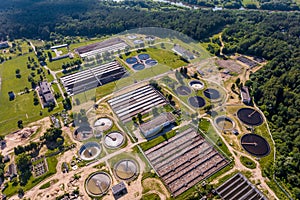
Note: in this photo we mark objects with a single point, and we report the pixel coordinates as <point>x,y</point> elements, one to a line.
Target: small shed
<point>119,190</point>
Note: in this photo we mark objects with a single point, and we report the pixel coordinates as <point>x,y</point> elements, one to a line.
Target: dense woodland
<point>273,36</point>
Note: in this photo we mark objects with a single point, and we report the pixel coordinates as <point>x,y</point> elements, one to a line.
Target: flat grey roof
<point>157,121</point>
<point>118,188</point>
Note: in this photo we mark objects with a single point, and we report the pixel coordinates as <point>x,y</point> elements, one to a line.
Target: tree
<point>49,56</point>
<point>18,75</point>
<point>233,87</point>
<point>20,124</point>
<point>21,192</point>
<point>208,108</point>
<point>237,82</point>
<point>140,118</point>
<point>23,164</point>
<point>134,119</point>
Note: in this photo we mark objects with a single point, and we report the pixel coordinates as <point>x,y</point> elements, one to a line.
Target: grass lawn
<point>204,124</point>
<point>11,190</point>
<point>164,57</point>
<point>150,196</point>
<point>38,43</point>
<point>246,2</point>
<point>24,49</point>
<point>84,43</point>
<point>57,64</point>
<point>247,162</point>
<point>266,162</point>
<point>208,131</point>
<point>22,108</point>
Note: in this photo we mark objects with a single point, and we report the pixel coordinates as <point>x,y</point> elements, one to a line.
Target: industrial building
<point>155,125</point>
<point>111,45</point>
<point>140,100</point>
<point>93,77</point>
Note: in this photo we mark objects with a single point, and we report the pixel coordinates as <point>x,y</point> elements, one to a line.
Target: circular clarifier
<point>114,140</point>
<point>212,94</point>
<point>224,123</point>
<point>103,124</point>
<point>126,169</point>
<point>151,62</point>
<point>131,60</point>
<point>183,90</point>
<point>196,85</point>
<point>143,56</point>
<point>97,184</point>
<point>138,66</point>
<point>90,151</point>
<point>255,145</point>
<point>250,116</point>
<point>196,101</point>
<point>83,133</point>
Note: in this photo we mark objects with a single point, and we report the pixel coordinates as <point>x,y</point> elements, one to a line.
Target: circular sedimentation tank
<point>103,124</point>
<point>151,62</point>
<point>143,56</point>
<point>212,94</point>
<point>196,85</point>
<point>183,90</point>
<point>138,66</point>
<point>224,123</point>
<point>196,101</point>
<point>89,151</point>
<point>255,144</point>
<point>83,133</point>
<point>131,60</point>
<point>114,140</point>
<point>97,184</point>
<point>126,169</point>
<point>250,116</point>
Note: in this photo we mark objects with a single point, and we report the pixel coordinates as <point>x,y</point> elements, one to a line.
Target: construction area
<point>93,77</point>
<point>239,187</point>
<point>140,100</point>
<point>111,45</point>
<point>184,160</point>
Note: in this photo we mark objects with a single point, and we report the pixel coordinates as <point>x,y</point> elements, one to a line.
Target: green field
<point>164,57</point>
<point>57,64</point>
<point>22,108</point>
<point>24,47</point>
<point>85,42</point>
<point>246,2</point>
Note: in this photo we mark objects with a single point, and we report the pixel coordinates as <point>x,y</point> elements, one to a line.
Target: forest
<point>274,36</point>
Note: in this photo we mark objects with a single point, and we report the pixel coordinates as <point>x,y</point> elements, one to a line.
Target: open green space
<point>164,57</point>
<point>247,162</point>
<point>11,189</point>
<point>150,196</point>
<point>84,42</point>
<point>57,64</point>
<point>207,130</point>
<point>22,107</point>
<point>21,47</point>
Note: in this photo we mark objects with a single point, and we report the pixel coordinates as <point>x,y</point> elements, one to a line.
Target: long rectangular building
<point>111,45</point>
<point>239,187</point>
<point>184,160</point>
<point>140,100</point>
<point>93,77</point>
